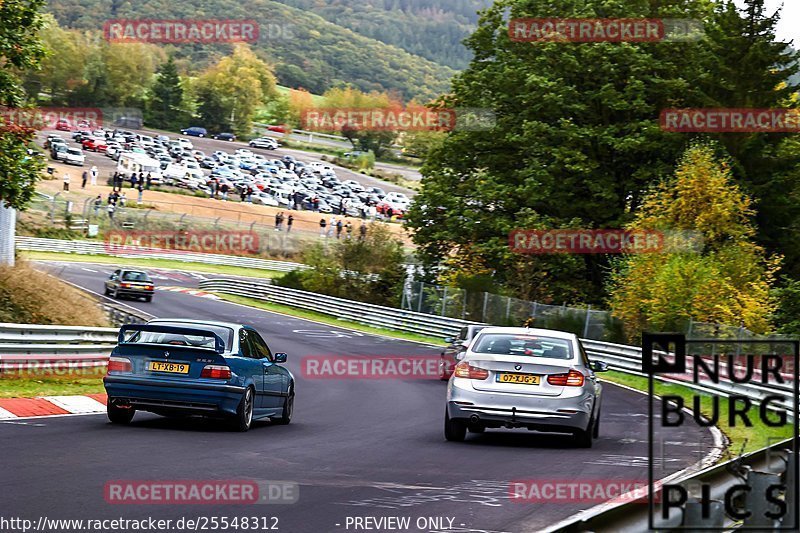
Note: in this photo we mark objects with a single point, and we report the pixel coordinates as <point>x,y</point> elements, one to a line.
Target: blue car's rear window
<point>176,339</point>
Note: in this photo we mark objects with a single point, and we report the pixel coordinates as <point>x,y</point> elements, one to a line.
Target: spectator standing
<point>149,180</point>
<point>289,222</point>
<point>349,229</point>
<point>331,226</point>
<point>84,179</point>
<point>110,209</point>
<point>278,220</point>
<point>316,204</point>
<point>322,225</point>
<point>122,199</point>
<point>362,231</point>
<point>66,182</point>
<point>389,213</point>
<point>93,175</point>
<point>339,226</point>
<point>98,203</point>
<point>134,179</point>
<point>140,188</point>
<point>224,188</point>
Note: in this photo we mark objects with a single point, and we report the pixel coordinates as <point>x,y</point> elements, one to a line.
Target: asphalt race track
<point>357,448</point>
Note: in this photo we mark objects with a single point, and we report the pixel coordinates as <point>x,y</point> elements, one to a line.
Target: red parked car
<point>63,125</point>
<point>94,144</point>
<point>280,128</point>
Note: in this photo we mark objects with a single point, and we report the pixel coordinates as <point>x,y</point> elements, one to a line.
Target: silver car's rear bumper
<point>570,411</point>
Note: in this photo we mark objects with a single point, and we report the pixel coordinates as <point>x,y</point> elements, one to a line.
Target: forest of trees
<point>305,49</point>
<point>578,145</point>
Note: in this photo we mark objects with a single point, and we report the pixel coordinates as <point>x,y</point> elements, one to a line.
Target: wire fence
<point>501,310</point>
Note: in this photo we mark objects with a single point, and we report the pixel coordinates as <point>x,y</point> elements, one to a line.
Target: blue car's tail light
<point>119,364</point>
<point>216,372</point>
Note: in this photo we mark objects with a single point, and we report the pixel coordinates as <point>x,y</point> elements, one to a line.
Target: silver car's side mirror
<point>460,355</point>
<point>449,340</point>
<point>598,366</point>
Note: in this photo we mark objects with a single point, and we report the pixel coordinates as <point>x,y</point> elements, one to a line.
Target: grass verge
<point>85,381</point>
<point>328,319</point>
<point>742,439</point>
<point>155,263</point>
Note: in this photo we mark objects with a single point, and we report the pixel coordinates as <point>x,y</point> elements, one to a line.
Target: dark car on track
<point>455,346</point>
<point>134,283</point>
<point>194,367</point>
<point>225,137</point>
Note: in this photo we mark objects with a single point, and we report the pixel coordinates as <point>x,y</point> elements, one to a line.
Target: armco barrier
<point>99,248</point>
<point>373,315</point>
<point>31,346</point>
<point>623,358</point>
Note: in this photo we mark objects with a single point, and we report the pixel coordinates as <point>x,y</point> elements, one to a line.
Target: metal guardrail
<point>363,313</point>
<point>623,358</point>
<point>29,347</point>
<point>99,248</point>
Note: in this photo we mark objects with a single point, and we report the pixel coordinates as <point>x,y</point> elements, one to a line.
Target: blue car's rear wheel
<point>118,415</point>
<point>244,414</point>
<point>288,409</point>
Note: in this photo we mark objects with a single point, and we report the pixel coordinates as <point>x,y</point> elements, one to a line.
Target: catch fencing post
<point>444,300</point>
<point>586,325</point>
<point>419,302</point>
<point>485,303</point>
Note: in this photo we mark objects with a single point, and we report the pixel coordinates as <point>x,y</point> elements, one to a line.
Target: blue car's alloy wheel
<point>244,414</point>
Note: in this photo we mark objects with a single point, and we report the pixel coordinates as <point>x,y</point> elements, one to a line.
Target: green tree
<point>749,68</point>
<point>243,82</point>
<point>725,280</point>
<point>166,104</point>
<point>63,69</point>
<point>21,47</point>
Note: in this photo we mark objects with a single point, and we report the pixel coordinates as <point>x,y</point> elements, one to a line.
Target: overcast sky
<point>789,26</point>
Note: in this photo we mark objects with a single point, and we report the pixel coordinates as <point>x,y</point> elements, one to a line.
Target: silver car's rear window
<point>524,346</point>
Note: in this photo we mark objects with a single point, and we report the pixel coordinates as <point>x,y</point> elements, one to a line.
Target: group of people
<point>87,175</point>
<point>221,191</point>
<point>114,199</point>
<point>139,182</point>
<point>279,217</point>
<point>327,228</point>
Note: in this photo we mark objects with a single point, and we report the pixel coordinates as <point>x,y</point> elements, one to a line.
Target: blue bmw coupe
<point>215,369</point>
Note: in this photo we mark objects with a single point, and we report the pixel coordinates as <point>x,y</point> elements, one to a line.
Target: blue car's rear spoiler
<point>219,344</point>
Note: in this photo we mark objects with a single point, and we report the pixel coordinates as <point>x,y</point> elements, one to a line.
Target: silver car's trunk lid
<point>503,370</point>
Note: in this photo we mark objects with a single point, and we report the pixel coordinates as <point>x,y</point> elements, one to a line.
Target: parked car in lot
<point>456,347</point>
<point>195,131</point>
<point>63,125</point>
<point>58,150</point>
<point>74,156</point>
<point>195,367</point>
<point>267,143</point>
<point>280,128</point>
<point>536,379</point>
<point>225,136</point>
<point>95,144</point>
<point>134,283</point>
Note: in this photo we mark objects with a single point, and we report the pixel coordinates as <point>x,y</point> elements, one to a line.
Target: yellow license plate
<point>175,368</point>
<point>520,379</point>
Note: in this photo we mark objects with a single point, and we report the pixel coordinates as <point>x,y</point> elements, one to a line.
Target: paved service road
<point>357,448</point>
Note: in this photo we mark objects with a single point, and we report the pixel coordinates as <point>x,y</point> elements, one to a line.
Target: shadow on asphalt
<point>195,424</point>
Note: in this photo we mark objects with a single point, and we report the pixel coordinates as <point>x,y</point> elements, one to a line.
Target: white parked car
<point>186,144</point>
<point>74,156</point>
<point>263,198</point>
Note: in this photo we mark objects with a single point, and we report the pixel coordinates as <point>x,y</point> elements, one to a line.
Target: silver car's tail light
<point>466,370</point>
<point>571,379</point>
